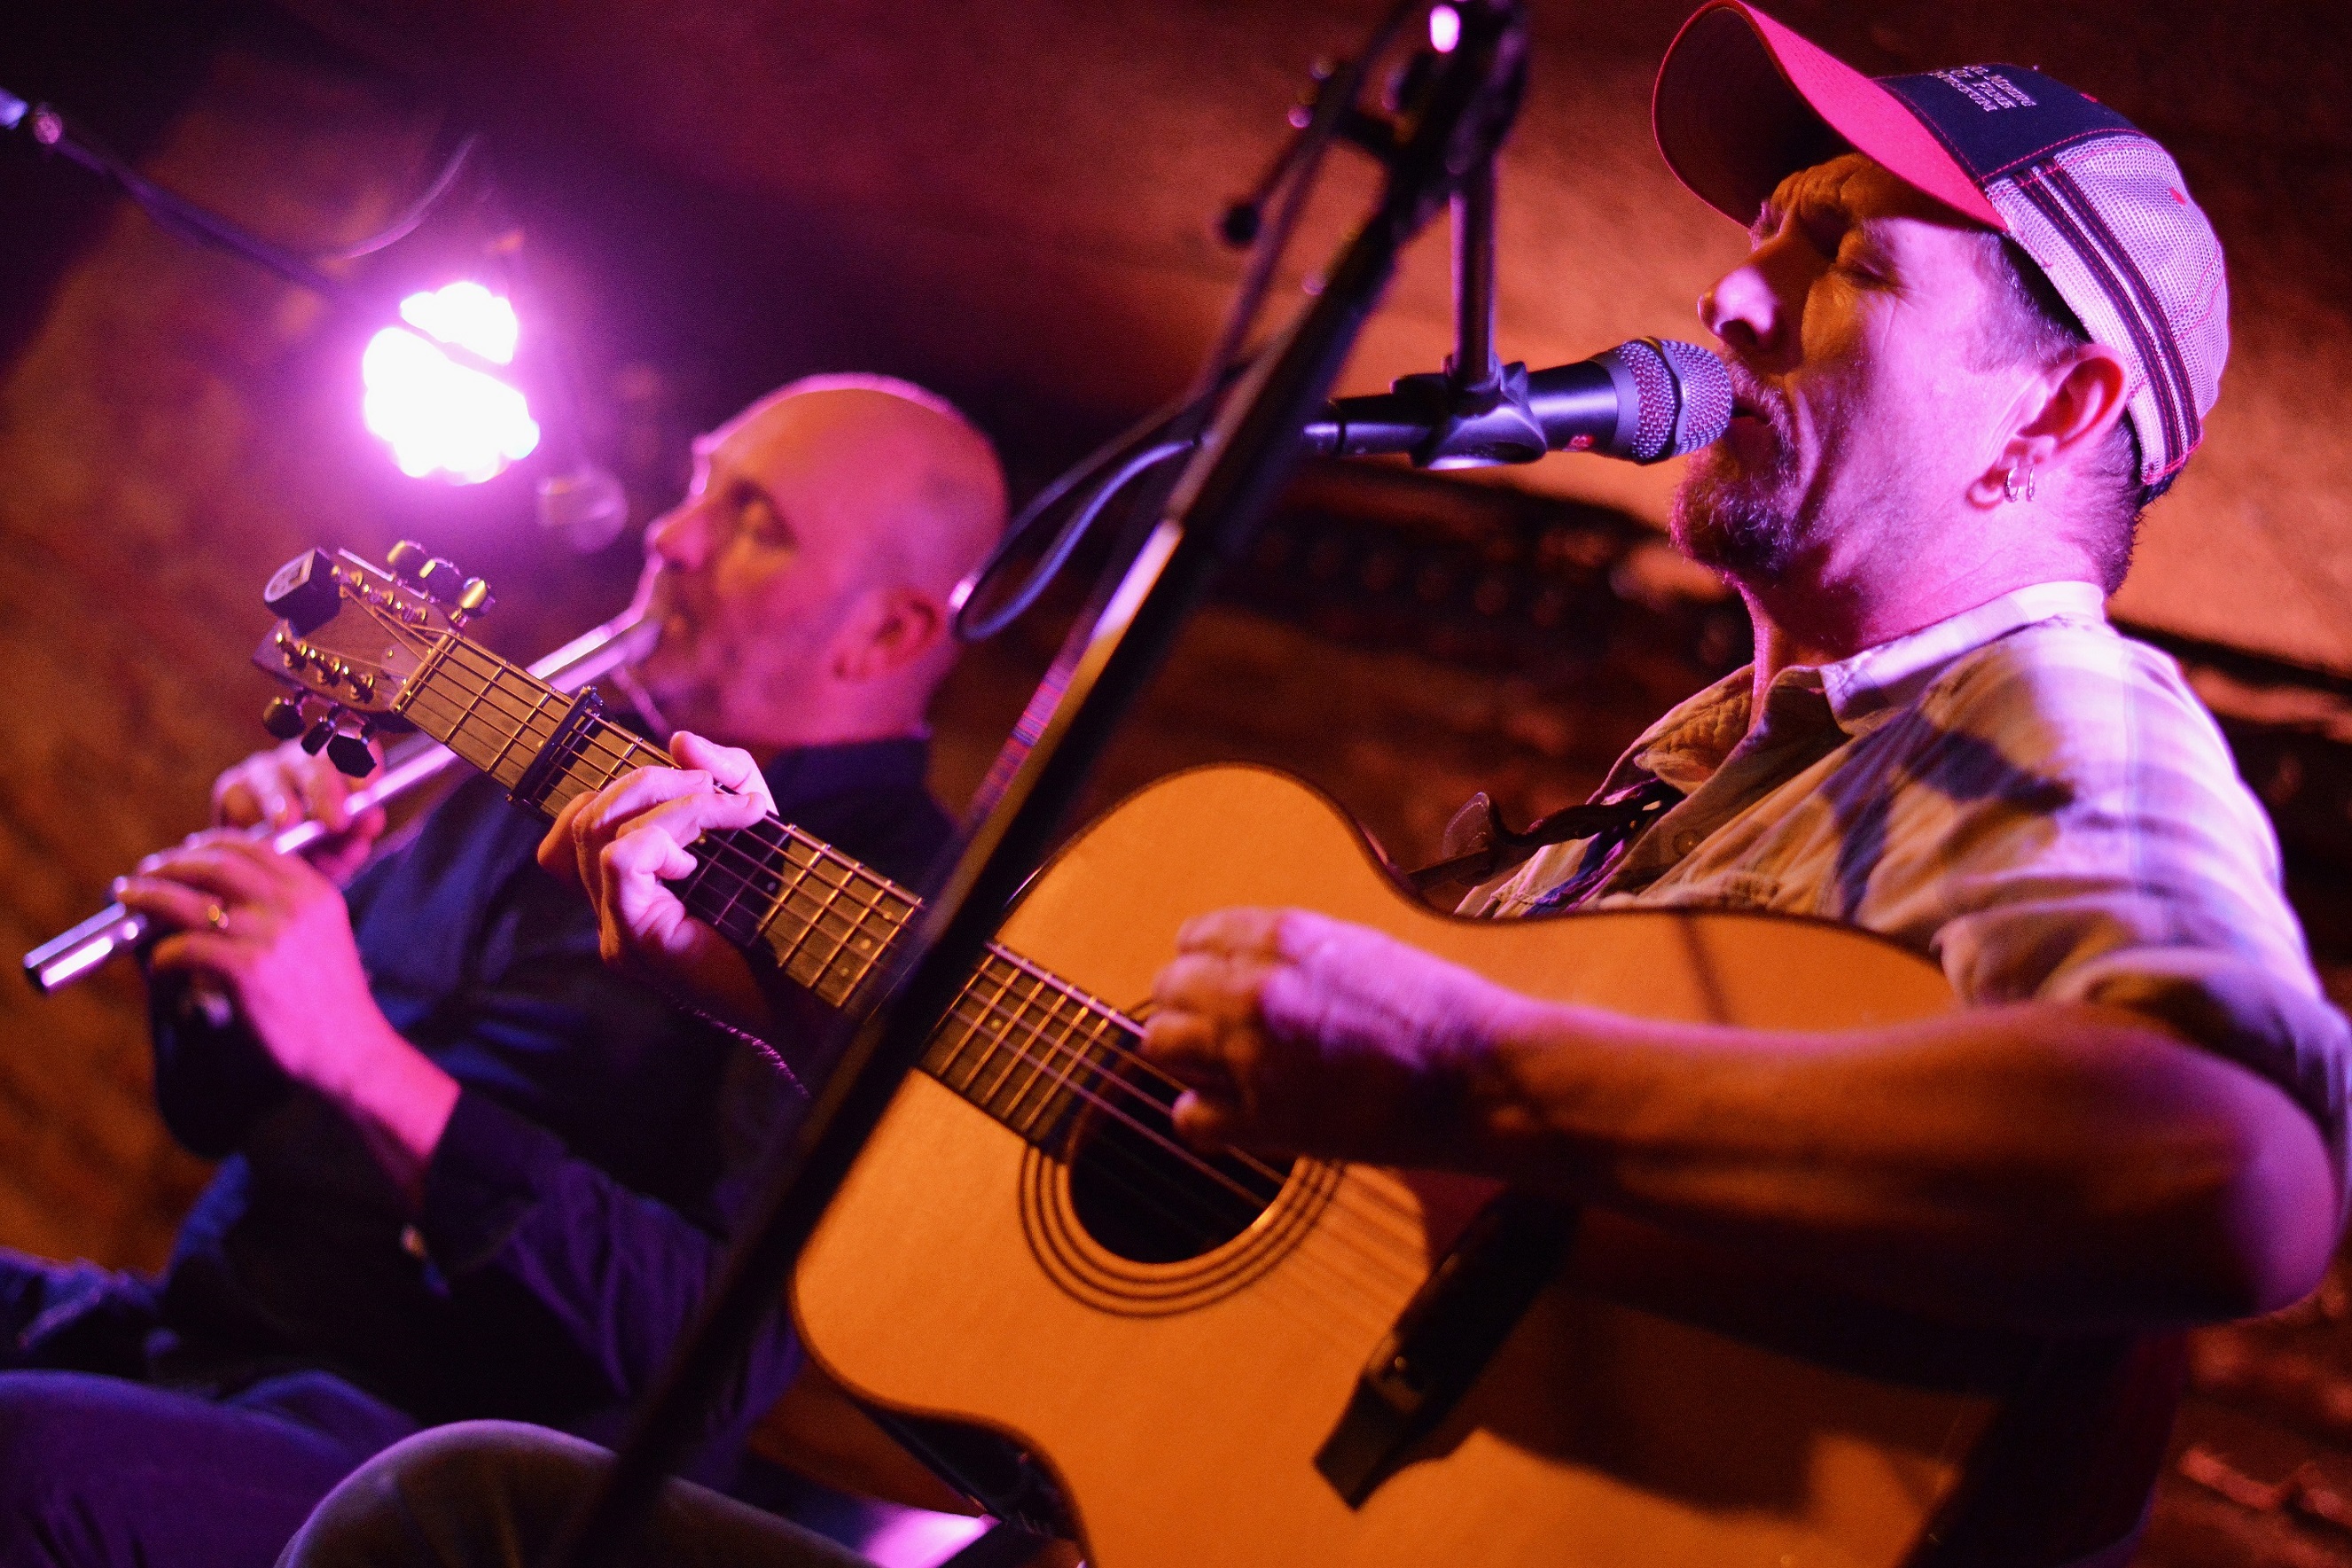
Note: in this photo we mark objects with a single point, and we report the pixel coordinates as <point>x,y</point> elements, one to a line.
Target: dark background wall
<point>1011,204</point>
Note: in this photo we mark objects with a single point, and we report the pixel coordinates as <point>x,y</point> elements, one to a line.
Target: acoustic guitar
<point>1233,1361</point>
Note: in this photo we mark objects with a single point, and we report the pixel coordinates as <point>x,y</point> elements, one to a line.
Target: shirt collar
<point>1686,747</point>
<point>1870,686</point>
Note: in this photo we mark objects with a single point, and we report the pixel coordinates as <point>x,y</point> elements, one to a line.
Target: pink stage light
<point>1444,28</point>
<point>920,1539</point>
<point>439,416</point>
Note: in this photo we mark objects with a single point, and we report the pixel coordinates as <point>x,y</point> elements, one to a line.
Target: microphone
<point>1645,400</point>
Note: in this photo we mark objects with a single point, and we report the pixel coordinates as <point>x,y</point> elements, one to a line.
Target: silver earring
<point>2010,488</point>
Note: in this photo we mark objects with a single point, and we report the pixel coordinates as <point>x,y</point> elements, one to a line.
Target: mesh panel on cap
<point>2110,223</point>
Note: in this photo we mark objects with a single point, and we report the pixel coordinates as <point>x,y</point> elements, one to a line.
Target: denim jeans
<point>99,1469</point>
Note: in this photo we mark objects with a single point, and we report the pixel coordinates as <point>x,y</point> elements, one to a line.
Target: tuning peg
<point>407,559</point>
<point>348,750</point>
<point>439,579</point>
<point>474,599</point>
<point>283,718</point>
<point>315,738</point>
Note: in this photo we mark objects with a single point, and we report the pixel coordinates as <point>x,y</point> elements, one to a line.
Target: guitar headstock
<point>350,636</point>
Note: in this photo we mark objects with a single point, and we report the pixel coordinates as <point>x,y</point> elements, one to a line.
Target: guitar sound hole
<point>1143,1194</point>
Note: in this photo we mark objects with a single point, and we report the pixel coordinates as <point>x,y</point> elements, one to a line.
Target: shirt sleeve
<point>2097,845</point>
<point>213,1080</point>
<point>624,1276</point>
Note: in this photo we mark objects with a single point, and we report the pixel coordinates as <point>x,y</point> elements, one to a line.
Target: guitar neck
<point>1019,1044</point>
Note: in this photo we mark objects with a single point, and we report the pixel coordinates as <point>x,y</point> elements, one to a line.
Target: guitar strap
<point>1481,845</point>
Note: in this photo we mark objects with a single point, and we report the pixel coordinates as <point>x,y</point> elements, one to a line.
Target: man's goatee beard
<point>1743,525</point>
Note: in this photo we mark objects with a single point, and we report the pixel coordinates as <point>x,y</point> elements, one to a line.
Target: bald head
<point>928,483</point>
<point>805,581</point>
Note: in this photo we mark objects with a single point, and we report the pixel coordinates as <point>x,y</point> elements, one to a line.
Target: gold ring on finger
<point>216,917</point>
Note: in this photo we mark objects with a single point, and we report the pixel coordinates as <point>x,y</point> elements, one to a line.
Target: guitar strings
<point>1403,1265</point>
<point>1382,1257</point>
<point>616,751</point>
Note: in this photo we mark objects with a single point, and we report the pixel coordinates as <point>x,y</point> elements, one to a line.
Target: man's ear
<point>891,629</point>
<point>2069,409</point>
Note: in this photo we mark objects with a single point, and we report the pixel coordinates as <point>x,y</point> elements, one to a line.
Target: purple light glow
<point>1444,28</point>
<point>439,416</point>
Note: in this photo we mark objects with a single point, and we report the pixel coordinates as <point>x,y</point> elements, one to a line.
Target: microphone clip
<point>1472,424</point>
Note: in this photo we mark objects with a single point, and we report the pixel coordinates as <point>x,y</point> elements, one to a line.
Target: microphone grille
<point>1682,397</point>
<point>1706,396</point>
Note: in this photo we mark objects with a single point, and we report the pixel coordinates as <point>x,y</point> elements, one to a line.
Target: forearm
<point>393,1093</point>
<point>2034,1164</point>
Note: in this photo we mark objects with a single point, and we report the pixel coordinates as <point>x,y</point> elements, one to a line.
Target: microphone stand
<point>1475,410</point>
<point>1449,129</point>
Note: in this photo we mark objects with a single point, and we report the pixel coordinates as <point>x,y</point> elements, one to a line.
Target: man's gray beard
<point>1743,525</point>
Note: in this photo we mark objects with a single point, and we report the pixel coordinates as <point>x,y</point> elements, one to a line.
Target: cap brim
<point>1741,103</point>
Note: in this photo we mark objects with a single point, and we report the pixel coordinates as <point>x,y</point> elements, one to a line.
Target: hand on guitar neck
<point>624,844</point>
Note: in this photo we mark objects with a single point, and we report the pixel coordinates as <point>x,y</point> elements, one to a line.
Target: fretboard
<point>1022,1045</point>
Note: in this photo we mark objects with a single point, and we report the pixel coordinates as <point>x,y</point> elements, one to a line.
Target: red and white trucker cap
<point>1742,103</point>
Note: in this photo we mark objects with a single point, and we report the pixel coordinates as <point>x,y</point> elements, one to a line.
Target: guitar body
<point>1628,1419</point>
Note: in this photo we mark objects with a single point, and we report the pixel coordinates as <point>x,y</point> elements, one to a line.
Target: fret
<point>1044,1059</point>
<point>1010,1048</point>
<point>731,886</point>
<point>991,969</point>
<point>833,891</point>
<point>969,1013</point>
<point>1019,1044</point>
<point>787,927</point>
<point>1092,1077</point>
<point>872,945</point>
<point>420,685</point>
<point>853,939</point>
<point>539,702</point>
<point>810,887</point>
<point>469,698</point>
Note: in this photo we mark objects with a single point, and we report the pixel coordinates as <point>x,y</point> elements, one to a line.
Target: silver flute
<point>594,655</point>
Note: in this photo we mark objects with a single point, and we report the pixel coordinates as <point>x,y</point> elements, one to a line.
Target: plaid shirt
<point>2037,803</point>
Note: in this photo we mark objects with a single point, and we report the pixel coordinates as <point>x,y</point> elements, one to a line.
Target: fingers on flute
<point>171,904</point>
<point>326,793</point>
<point>197,952</point>
<point>225,865</point>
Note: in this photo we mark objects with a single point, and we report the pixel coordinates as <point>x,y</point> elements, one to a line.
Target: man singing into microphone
<point>1979,330</point>
<point>470,1170</point>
